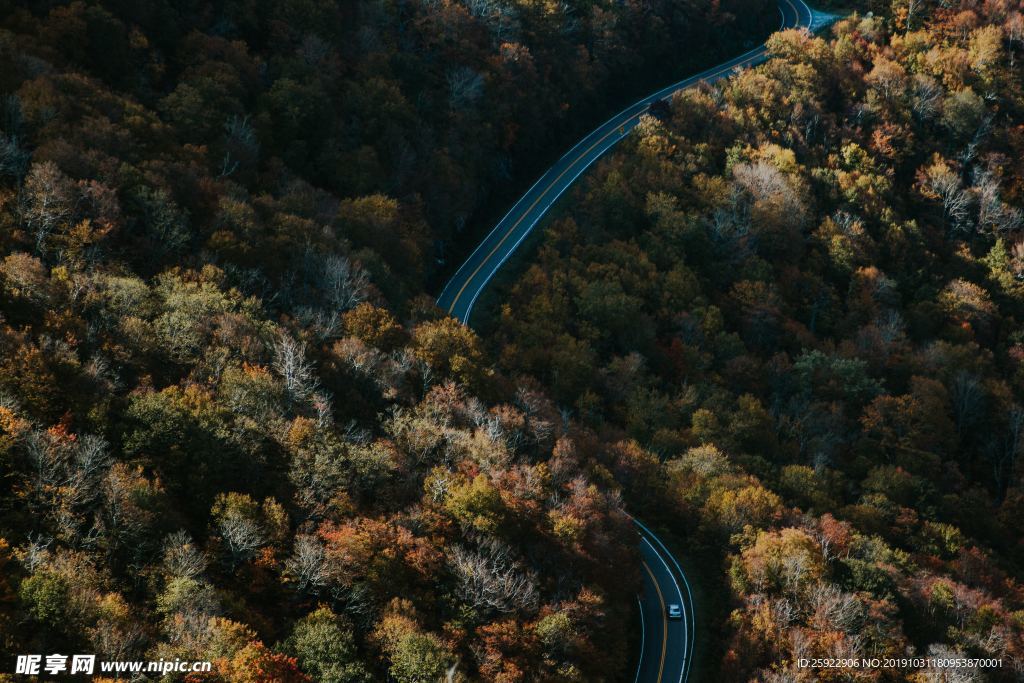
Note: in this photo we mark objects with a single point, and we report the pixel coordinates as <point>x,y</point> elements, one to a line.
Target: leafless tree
<point>951,674</point>
<point>831,607</point>
<point>1014,33</point>
<point>927,96</point>
<point>36,552</point>
<point>344,283</point>
<point>182,559</point>
<point>994,642</point>
<point>188,614</point>
<point>438,487</point>
<point>947,186</point>
<point>784,613</point>
<point>321,286</point>
<point>307,566</point>
<point>318,471</point>
<point>500,17</point>
<point>569,23</point>
<point>795,568</point>
<point>65,474</point>
<point>353,433</point>
<point>801,644</point>
<point>117,639</point>
<point>290,362</point>
<point>99,369</point>
<point>322,322</point>
<point>786,676</point>
<point>324,409</point>
<point>120,518</point>
<point>970,150</point>
<point>491,579</point>
<point>888,78</point>
<point>47,202</point>
<point>419,437</point>
<point>91,461</point>
<point>242,147</point>
<point>913,7</point>
<point>242,535</point>
<point>765,182</point>
<point>531,403</point>
<point>730,222</point>
<point>994,214</point>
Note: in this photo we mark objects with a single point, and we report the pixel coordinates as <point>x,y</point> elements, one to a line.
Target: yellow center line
<point>573,163</point>
<point>664,621</point>
<point>527,212</point>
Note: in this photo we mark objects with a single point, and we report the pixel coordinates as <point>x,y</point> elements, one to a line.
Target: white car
<point>675,612</point>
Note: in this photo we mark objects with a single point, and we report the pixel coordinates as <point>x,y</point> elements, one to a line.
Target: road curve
<point>666,647</point>
<point>463,289</point>
<point>666,650</point>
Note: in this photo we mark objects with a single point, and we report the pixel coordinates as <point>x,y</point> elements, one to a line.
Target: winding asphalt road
<point>666,644</point>
<point>461,292</point>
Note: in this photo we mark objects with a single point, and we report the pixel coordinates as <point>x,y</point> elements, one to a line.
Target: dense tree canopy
<point>232,425</point>
<point>783,320</point>
<point>800,293</point>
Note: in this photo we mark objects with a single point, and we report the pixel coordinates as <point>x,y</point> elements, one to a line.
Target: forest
<point>782,321</point>
<point>233,426</point>
<point>795,304</point>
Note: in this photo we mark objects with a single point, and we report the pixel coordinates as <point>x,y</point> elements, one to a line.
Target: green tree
<point>450,350</point>
<point>418,658</point>
<point>323,644</point>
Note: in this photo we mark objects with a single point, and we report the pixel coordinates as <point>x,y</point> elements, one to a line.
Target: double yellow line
<point>664,622</point>
<point>532,206</point>
<point>615,129</point>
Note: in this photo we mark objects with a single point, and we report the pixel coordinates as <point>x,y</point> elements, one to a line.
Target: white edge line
<point>689,593</point>
<point>469,310</point>
<point>643,639</point>
<point>533,224</point>
<point>586,138</point>
<point>659,95</point>
<point>532,187</point>
<point>493,230</point>
<point>672,89</point>
<point>686,625</point>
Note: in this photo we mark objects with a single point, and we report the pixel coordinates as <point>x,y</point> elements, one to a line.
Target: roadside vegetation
<point>784,322</point>
<point>233,427</point>
<point>795,308</point>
